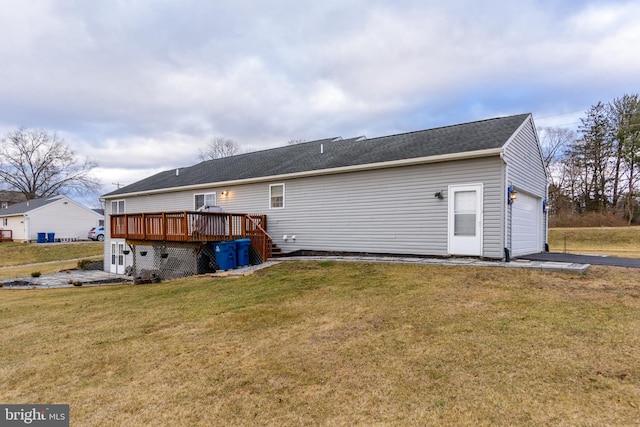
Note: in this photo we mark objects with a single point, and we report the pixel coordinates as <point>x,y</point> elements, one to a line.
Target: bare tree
<point>39,163</point>
<point>553,142</point>
<point>625,117</point>
<point>218,148</point>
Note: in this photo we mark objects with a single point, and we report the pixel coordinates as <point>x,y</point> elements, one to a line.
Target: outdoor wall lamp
<point>224,193</point>
<point>512,194</point>
<point>438,195</point>
<point>546,206</point>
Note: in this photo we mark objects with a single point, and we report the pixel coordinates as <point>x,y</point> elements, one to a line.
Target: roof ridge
<point>448,126</point>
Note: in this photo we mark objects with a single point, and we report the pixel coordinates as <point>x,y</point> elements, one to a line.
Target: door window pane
<point>464,215</point>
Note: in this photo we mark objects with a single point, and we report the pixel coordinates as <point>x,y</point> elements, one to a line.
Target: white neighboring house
<point>67,219</point>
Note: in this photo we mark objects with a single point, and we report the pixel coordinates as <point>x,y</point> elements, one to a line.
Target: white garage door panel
<point>525,222</point>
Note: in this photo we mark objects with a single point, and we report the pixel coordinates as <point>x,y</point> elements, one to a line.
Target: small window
<point>5,222</point>
<point>202,200</point>
<point>276,195</point>
<point>117,207</point>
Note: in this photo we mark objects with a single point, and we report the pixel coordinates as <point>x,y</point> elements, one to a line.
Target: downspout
<point>505,209</point>
<point>546,220</point>
<point>27,228</point>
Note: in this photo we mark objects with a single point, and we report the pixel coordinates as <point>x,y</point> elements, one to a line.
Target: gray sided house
<point>475,189</point>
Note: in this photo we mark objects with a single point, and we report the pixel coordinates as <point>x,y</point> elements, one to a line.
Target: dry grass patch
<point>333,343</point>
<point>14,254</point>
<point>614,241</point>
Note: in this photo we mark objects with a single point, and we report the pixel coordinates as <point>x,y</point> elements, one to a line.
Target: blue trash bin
<point>51,237</point>
<point>225,255</point>
<point>243,246</point>
<point>42,237</point>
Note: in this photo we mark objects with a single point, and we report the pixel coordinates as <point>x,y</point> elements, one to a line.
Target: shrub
<point>83,263</point>
<point>35,274</point>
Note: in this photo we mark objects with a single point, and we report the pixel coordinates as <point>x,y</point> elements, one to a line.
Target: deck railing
<point>186,226</point>
<point>6,236</point>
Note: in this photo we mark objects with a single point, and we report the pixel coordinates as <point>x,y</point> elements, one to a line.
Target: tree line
<point>596,169</point>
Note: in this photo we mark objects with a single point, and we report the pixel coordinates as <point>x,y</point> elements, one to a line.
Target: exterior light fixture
<point>546,206</point>
<point>512,194</point>
<point>225,193</point>
<point>438,195</point>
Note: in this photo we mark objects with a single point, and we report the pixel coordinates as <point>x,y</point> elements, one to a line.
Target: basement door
<point>117,256</point>
<point>465,220</point>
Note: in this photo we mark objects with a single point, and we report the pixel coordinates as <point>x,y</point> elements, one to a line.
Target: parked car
<point>96,233</point>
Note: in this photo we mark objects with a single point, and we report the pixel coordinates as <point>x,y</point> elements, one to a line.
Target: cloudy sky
<point>140,85</point>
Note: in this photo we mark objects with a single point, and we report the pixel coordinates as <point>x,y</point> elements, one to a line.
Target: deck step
<point>276,252</point>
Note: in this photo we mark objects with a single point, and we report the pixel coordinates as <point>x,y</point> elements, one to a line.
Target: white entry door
<point>465,219</point>
<point>117,256</point>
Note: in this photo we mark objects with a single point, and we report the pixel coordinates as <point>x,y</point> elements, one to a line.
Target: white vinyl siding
<point>66,218</point>
<point>390,210</point>
<point>525,171</point>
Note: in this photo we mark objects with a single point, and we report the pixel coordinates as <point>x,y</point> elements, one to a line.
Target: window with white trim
<point>202,200</point>
<point>117,207</point>
<point>276,196</point>
<point>5,222</point>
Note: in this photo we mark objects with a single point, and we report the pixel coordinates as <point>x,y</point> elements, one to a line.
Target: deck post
<point>164,226</point>
<point>244,225</point>
<point>133,263</point>
<point>185,226</point>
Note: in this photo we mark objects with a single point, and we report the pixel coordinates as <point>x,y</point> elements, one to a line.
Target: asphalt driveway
<point>583,259</point>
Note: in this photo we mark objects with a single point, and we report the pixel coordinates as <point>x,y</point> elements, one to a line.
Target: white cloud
<point>141,85</point>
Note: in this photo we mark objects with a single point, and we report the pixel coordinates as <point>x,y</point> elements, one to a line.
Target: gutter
<point>332,171</point>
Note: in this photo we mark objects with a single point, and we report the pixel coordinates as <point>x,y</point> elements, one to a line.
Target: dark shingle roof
<point>29,205</point>
<point>304,157</point>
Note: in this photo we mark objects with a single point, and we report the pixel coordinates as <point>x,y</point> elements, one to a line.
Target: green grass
<point>333,344</point>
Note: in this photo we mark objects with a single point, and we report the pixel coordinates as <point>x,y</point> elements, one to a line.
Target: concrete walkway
<point>97,277</point>
<point>564,267</point>
<point>67,279</point>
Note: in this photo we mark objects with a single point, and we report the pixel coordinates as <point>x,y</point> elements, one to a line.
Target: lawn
<point>615,241</point>
<point>16,257</point>
<point>323,343</point>
<point>14,253</point>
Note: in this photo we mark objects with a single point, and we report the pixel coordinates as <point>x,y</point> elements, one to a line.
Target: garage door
<point>525,225</point>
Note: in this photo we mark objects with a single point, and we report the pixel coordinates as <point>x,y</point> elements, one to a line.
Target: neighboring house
<point>441,192</point>
<point>8,198</point>
<point>67,219</point>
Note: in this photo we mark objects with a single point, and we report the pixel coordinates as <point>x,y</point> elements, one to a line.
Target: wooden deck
<point>6,236</point>
<point>192,227</point>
